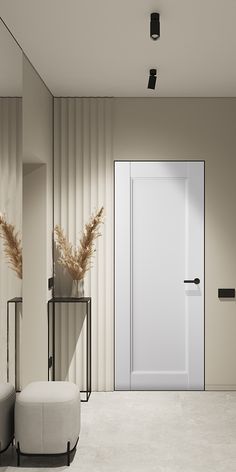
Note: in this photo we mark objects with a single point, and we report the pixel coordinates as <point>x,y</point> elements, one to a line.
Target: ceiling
<point>103,48</point>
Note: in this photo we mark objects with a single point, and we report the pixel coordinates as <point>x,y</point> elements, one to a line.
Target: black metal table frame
<point>16,301</point>
<point>51,361</point>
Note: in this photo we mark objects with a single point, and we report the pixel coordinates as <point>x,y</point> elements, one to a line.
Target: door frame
<point>204,259</point>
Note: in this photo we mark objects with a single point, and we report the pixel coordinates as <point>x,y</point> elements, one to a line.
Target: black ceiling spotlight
<point>152,79</point>
<point>155,26</point>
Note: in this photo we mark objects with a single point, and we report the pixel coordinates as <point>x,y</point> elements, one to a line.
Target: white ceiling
<point>103,48</point>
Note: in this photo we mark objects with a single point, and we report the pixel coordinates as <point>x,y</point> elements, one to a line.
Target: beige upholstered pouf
<point>47,418</point>
<point>7,403</point>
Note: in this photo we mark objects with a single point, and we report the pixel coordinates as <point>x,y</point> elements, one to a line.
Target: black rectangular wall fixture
<point>50,283</point>
<point>226,292</point>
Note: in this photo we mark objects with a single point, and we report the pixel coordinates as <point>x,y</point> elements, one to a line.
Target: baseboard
<point>220,387</point>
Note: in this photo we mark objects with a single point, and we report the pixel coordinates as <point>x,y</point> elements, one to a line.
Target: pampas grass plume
<point>77,260</point>
<point>12,245</point>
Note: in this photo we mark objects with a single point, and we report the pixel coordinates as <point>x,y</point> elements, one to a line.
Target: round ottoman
<point>7,403</point>
<point>47,418</point>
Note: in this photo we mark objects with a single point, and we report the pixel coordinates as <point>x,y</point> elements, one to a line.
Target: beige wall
<point>159,128</point>
<point>185,128</point>
<point>38,136</point>
<point>37,223</point>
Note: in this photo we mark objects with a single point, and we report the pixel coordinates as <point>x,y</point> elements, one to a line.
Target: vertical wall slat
<point>64,224</point>
<point>79,371</point>
<point>108,184</point>
<point>100,247</point>
<point>83,165</point>
<point>57,205</point>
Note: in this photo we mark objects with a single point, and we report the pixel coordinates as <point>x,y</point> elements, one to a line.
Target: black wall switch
<point>226,292</point>
<point>50,283</point>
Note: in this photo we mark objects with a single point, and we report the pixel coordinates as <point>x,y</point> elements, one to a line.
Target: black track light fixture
<point>155,26</point>
<point>152,79</point>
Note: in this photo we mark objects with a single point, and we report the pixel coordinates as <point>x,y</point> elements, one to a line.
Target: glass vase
<point>77,290</point>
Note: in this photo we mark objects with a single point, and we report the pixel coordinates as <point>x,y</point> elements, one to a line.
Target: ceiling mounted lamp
<point>155,26</point>
<point>152,79</point>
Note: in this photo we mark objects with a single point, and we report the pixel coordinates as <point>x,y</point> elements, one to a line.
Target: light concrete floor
<point>150,431</point>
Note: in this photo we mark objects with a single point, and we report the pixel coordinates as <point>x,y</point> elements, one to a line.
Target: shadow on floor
<point>9,459</point>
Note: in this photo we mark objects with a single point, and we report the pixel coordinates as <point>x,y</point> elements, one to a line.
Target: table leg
<point>48,341</point>
<point>90,348</point>
<point>53,342</point>
<point>7,341</point>
<point>16,346</point>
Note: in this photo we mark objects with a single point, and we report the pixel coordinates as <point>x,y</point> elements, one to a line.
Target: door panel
<point>158,269</point>
<point>159,229</point>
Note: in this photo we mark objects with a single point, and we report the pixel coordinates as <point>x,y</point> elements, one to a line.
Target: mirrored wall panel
<point>11,74</point>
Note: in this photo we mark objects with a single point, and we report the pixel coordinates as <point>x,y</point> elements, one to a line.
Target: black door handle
<point>195,281</point>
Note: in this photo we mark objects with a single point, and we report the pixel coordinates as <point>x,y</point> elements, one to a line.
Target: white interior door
<point>159,244</point>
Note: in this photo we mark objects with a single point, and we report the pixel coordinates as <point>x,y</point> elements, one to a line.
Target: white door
<point>159,252</point>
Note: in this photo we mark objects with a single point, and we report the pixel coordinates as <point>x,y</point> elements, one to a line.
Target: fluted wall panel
<point>11,206</point>
<point>83,183</point>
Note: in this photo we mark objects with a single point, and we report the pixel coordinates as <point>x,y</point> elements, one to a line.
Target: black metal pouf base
<point>67,453</point>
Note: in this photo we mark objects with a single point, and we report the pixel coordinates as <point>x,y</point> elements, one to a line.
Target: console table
<point>51,337</point>
<point>15,301</point>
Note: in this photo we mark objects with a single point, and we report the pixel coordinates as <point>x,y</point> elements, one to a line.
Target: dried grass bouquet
<point>12,246</point>
<point>77,260</point>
